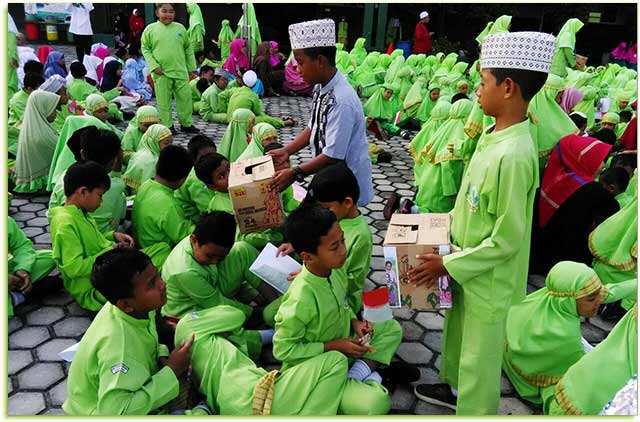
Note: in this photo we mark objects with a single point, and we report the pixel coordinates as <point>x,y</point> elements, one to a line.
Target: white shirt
<point>80,19</point>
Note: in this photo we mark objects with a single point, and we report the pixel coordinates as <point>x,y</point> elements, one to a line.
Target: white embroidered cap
<point>518,50</point>
<point>318,33</point>
<point>250,78</point>
<point>424,14</point>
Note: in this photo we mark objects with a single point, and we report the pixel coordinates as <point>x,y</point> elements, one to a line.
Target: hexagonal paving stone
<point>33,207</point>
<point>44,238</point>
<point>403,398</point>
<point>433,340</point>
<point>375,207</point>
<point>72,326</point>
<point>41,199</point>
<point>49,350</point>
<point>54,411</point>
<point>424,408</point>
<point>26,404</point>
<point>411,331</point>
<point>427,376</point>
<point>40,376</point>
<point>513,406</point>
<point>403,313</point>
<point>18,360</point>
<point>45,316</point>
<point>39,222</point>
<point>28,337</point>
<point>430,320</point>
<point>16,202</point>
<point>24,216</point>
<point>437,363</point>
<point>414,353</point>
<point>75,310</point>
<point>9,386</point>
<point>32,232</point>
<point>378,277</point>
<point>14,324</point>
<point>58,394</point>
<point>602,324</point>
<point>61,297</point>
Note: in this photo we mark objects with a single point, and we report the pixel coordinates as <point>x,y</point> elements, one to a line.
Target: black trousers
<point>83,45</point>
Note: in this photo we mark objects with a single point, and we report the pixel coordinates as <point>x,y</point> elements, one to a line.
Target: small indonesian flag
<point>376,305</point>
<point>397,120</point>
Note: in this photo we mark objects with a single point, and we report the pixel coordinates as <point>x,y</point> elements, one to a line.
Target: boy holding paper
<point>491,223</point>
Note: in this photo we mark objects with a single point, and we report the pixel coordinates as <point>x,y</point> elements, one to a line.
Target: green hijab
<point>484,33</point>
<point>142,165</point>
<point>403,80</point>
<point>234,141</point>
<point>415,96</point>
<point>567,36</point>
<point>196,24</point>
<point>475,74</point>
<point>427,106</point>
<point>501,25</point>
<point>359,53</point>
<point>224,39</point>
<point>412,62</point>
<point>588,385</point>
<point>587,106</point>
<point>577,78</point>
<point>450,61</point>
<point>543,337</point>
<point>364,75</point>
<point>553,123</point>
<point>456,73</point>
<point>609,75</point>
<point>344,63</point>
<point>36,142</point>
<point>439,114</point>
<point>145,114</point>
<point>394,67</point>
<point>450,134</point>
<point>432,61</point>
<point>261,131</point>
<point>384,60</point>
<point>379,108</point>
<point>255,28</point>
<point>398,52</point>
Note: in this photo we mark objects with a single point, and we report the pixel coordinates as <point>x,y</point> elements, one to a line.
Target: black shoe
<point>405,207</point>
<point>189,129</point>
<point>384,157</point>
<point>173,130</point>
<point>398,373</point>
<point>438,394</point>
<point>393,203</point>
<point>405,134</point>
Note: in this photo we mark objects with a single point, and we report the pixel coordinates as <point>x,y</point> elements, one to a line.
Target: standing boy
<point>492,225</point>
<point>337,125</point>
<point>169,55</point>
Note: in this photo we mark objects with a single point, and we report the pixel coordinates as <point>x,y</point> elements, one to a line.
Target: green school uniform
<point>193,197</point>
<point>196,96</point>
<point>439,115</point>
<point>79,90</point>
<point>588,385</point>
<point>17,105</point>
<point>23,257</point>
<point>491,223</point>
<point>212,108</point>
<point>115,370</point>
<point>169,47</point>
<point>234,140</point>
<point>316,310</point>
<point>564,55</point>
<point>359,243</point>
<point>131,139</point>
<point>225,36</point>
<point>157,218</point>
<point>142,165</point>
<point>229,379</point>
<point>244,97</point>
<point>196,27</point>
<point>365,76</point>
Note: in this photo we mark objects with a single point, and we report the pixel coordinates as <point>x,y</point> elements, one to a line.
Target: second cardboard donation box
<point>256,206</point>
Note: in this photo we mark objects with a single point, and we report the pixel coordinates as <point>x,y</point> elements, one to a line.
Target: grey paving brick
<point>403,313</point>
<point>513,406</point>
<point>14,324</point>
<point>411,331</point>
<point>45,316</point>
<point>26,404</point>
<point>58,394</point>
<point>72,326</point>
<point>39,222</point>
<point>403,398</point>
<point>28,337</point>
<point>59,298</point>
<point>17,360</point>
<point>32,207</point>
<point>54,411</point>
<point>592,334</point>
<point>75,310</point>
<point>424,408</point>
<point>433,340</point>
<point>40,376</point>
<point>23,216</point>
<point>430,320</point>
<point>415,353</point>
<point>506,388</point>
<point>49,351</point>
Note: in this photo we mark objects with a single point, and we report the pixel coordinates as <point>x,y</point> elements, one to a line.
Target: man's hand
<point>282,179</point>
<point>361,328</point>
<point>26,284</point>
<point>123,240</point>
<point>179,359</point>
<point>427,272</point>
<point>285,249</point>
<point>349,346</point>
<point>158,71</point>
<point>280,156</point>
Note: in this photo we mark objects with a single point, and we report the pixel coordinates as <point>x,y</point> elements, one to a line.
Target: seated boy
<point>213,106</point>
<point>116,369</point>
<point>194,196</point>
<point>615,180</point>
<point>315,316</point>
<point>79,89</point>
<point>199,85</point>
<point>156,216</point>
<point>26,265</point>
<point>213,170</point>
<point>75,236</point>
<point>207,269</point>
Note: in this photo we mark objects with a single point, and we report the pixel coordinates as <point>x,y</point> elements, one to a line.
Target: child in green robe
<point>213,107</point>
<point>17,106</point>
<point>615,180</point>
<point>491,223</point>
<point>194,196</point>
<point>120,368</point>
<point>383,106</point>
<point>26,265</point>
<point>610,121</point>
<point>75,237</point>
<point>236,137</point>
<point>156,216</point>
<point>199,85</point>
<point>141,166</point>
<point>98,107</point>
<point>79,89</point>
<point>315,316</point>
<point>145,117</point>
<point>167,50</point>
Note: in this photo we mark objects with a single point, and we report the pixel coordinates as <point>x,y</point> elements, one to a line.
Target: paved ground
<point>44,326</point>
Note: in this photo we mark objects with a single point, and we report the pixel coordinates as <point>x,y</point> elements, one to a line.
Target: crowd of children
<point>535,160</point>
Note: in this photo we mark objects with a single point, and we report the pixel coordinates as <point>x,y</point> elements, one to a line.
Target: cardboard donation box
<point>409,235</point>
<point>256,206</point>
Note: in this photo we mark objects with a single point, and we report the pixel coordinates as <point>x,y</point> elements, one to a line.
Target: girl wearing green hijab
<point>457,73</point>
<point>145,116</point>
<point>450,61</point>
<point>142,165</point>
<point>564,55</point>
<point>587,105</point>
<point>383,106</point>
<point>501,25</point>
<point>403,81</point>
<point>588,385</point>
<point>97,106</point>
<point>394,67</point>
<point>439,114</point>
<point>543,338</point>
<point>384,61</point>
<point>359,53</point>
<point>442,170</point>
<point>345,64</point>
<point>224,39</point>
<point>412,62</point>
<point>196,29</point>
<point>484,33</point>
<point>398,52</point>
<point>36,142</point>
<point>237,135</point>
<point>428,104</point>
<point>364,78</point>
<point>414,98</point>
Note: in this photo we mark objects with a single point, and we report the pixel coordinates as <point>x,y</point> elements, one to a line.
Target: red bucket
<point>32,30</point>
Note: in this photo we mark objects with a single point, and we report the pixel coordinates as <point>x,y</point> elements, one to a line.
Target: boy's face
<point>209,253</point>
<point>101,114</point>
<point>221,178</point>
<point>310,69</point>
<point>166,142</point>
<point>90,200</point>
<point>208,76</point>
<point>222,82</point>
<point>387,94</point>
<point>387,266</point>
<point>165,13</point>
<point>339,208</point>
<point>607,125</point>
<point>489,93</point>
<point>149,291</point>
<point>588,306</point>
<point>332,252</point>
<point>64,98</point>
<point>612,188</point>
<point>434,94</point>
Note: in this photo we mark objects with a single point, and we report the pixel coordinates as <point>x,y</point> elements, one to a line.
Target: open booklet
<point>274,270</point>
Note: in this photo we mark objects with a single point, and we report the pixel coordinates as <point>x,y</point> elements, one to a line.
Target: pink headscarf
<point>236,57</point>
<point>274,60</point>
<point>570,99</point>
<point>620,51</point>
<point>101,53</point>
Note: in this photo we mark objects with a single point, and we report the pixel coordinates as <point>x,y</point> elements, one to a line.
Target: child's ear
<point>348,201</point>
<point>125,305</point>
<point>306,256</point>
<point>510,88</point>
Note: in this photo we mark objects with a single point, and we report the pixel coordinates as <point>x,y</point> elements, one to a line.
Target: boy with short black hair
<point>491,223</point>
<point>18,103</point>
<point>199,85</point>
<point>116,369</point>
<point>156,216</point>
<point>33,66</point>
<point>315,316</point>
<point>194,196</point>
<point>75,237</point>
<point>79,89</point>
<point>615,180</point>
<point>628,161</point>
<point>213,105</point>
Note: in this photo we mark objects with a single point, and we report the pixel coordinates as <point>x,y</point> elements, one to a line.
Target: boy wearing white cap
<point>336,128</point>
<point>492,225</point>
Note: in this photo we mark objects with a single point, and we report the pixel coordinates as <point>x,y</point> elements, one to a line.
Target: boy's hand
<point>293,275</point>
<point>349,346</point>
<point>280,156</point>
<point>179,359</point>
<point>14,282</point>
<point>158,71</point>
<point>427,272</point>
<point>361,328</point>
<point>25,284</point>
<point>124,240</point>
<point>285,249</point>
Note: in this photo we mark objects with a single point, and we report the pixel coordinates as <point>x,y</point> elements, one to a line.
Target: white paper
<point>274,270</point>
<point>68,353</point>
<point>129,203</point>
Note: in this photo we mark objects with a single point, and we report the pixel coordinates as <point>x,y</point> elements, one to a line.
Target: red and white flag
<point>376,305</point>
